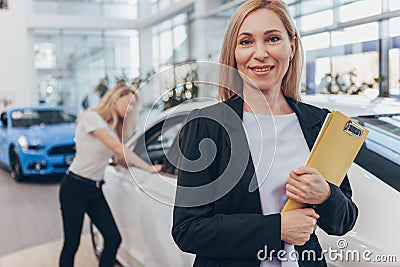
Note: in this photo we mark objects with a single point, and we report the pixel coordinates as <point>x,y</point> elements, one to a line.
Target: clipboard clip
<point>353,129</point>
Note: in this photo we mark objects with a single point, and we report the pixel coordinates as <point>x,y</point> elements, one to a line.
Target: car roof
<point>182,109</point>
<point>356,105</point>
<point>189,106</point>
<point>36,108</point>
<point>350,105</point>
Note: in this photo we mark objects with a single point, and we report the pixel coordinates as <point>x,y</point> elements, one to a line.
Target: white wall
<point>16,55</point>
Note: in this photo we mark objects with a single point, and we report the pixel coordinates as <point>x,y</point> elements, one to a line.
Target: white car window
<point>165,139</point>
<point>157,141</point>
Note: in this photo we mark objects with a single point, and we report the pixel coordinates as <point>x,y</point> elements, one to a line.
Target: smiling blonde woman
<point>229,212</point>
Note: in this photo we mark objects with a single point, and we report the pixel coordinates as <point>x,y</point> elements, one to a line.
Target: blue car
<point>36,140</point>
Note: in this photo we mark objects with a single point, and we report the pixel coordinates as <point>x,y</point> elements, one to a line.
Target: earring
<point>290,58</point>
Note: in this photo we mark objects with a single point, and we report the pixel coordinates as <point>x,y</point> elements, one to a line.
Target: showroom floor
<point>30,225</point>
<point>46,255</point>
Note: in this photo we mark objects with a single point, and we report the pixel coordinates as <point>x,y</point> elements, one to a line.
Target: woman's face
<point>263,49</point>
<point>125,104</point>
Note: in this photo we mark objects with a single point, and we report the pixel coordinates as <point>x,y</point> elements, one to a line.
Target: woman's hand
<point>297,225</point>
<point>123,152</point>
<point>306,185</point>
<point>153,168</point>
<point>157,167</point>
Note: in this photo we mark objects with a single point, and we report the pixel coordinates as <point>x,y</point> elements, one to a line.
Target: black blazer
<point>217,213</point>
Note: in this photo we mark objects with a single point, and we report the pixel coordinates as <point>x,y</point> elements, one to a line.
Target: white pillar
<point>16,54</point>
<point>146,62</point>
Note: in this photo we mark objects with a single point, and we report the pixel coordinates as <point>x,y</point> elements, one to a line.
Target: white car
<point>142,203</point>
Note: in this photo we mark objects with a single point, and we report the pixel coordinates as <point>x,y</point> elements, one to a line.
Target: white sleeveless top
<point>277,146</point>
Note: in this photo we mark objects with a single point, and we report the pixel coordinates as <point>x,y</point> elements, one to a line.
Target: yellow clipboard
<point>335,149</point>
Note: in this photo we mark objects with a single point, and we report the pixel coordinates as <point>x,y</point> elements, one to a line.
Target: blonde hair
<point>231,79</point>
<point>107,110</point>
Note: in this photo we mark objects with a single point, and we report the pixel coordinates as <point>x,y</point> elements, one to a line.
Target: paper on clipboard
<point>335,149</point>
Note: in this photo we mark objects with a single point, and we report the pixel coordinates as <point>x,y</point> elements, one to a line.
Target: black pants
<point>76,199</point>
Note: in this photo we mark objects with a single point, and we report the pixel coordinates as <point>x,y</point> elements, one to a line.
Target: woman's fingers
<point>306,185</point>
<point>310,212</point>
<point>305,170</point>
<point>298,225</point>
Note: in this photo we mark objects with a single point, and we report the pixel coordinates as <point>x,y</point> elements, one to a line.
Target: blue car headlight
<point>25,144</point>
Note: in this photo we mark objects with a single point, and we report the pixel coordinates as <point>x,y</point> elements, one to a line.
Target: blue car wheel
<point>16,171</point>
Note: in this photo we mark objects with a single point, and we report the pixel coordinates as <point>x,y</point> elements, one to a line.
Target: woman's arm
<point>121,151</point>
<point>337,211</point>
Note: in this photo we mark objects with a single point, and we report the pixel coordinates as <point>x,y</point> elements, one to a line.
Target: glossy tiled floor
<point>46,255</point>
<point>30,225</point>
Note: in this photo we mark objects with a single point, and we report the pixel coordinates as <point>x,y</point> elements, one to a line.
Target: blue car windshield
<point>30,117</point>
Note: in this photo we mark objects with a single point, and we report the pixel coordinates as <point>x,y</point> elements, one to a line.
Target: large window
<point>394,26</point>
<point>45,57</point>
<point>70,64</point>
<point>159,5</point>
<point>339,36</point>
<point>348,73</point>
<point>324,18</point>
<point>126,9</point>
<point>207,36</point>
<point>394,72</point>
<point>316,41</point>
<point>394,5</point>
<point>356,34</point>
<point>170,42</point>
<point>360,9</point>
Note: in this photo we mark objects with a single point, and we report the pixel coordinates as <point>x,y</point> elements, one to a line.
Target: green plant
<point>333,83</point>
<point>102,87</point>
<point>336,83</point>
<point>184,91</point>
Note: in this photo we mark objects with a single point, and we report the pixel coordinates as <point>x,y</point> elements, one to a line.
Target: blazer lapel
<point>241,159</point>
<point>310,121</point>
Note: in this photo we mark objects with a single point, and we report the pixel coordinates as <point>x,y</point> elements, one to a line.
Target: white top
<point>92,155</point>
<point>277,146</point>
